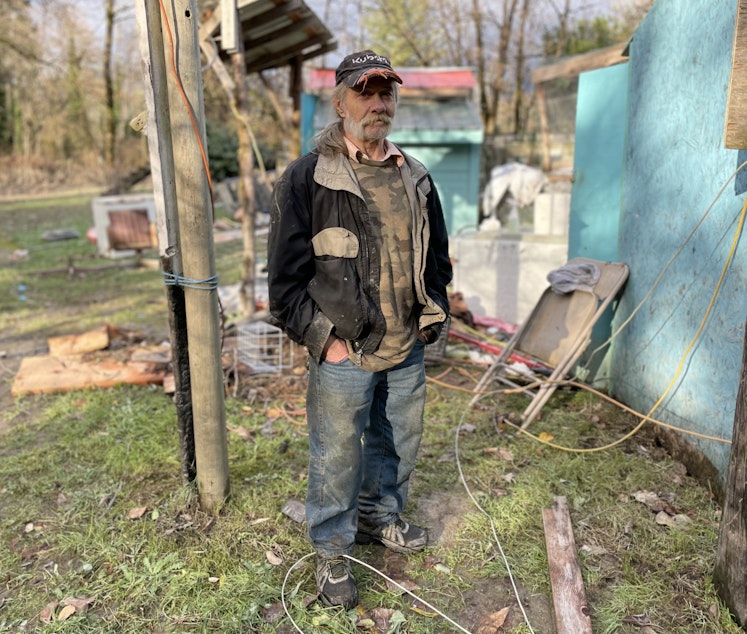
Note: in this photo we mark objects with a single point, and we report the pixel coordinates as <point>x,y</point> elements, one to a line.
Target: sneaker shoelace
<point>338,571</point>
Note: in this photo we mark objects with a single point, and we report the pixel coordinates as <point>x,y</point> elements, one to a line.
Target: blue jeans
<point>364,434</point>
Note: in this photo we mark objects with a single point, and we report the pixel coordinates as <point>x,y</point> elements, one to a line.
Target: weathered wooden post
<point>195,247</point>
<point>167,216</point>
<point>730,573</point>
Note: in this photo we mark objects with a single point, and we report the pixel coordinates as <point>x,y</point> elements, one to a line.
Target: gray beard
<point>357,129</point>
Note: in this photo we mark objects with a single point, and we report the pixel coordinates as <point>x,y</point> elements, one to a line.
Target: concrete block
<point>551,213</point>
<point>503,276</point>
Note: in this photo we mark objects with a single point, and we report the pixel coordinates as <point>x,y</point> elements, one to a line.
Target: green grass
<point>71,479</point>
<point>93,506</point>
<point>40,297</point>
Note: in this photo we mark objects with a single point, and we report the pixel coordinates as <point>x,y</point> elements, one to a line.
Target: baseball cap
<point>360,67</point>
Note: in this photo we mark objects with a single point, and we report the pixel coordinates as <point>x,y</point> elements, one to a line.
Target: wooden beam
<point>569,598</point>
<point>307,25</point>
<point>735,130</point>
<point>272,60</point>
<point>731,553</point>
<point>574,66</point>
<point>262,12</point>
<point>544,127</point>
<point>48,374</point>
<point>215,61</point>
<point>89,341</point>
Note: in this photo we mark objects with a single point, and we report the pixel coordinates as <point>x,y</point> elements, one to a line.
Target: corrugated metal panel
<point>418,114</point>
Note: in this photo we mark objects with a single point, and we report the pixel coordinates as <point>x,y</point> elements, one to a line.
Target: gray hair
<point>331,140</point>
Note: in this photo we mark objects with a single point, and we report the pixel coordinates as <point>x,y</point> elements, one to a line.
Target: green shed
<point>436,122</point>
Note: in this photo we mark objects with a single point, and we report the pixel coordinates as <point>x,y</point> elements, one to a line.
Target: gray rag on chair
<point>577,276</point>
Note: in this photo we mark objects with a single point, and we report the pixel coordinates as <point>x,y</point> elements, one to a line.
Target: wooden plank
<point>574,66</point>
<point>46,374</point>
<point>569,598</point>
<point>97,339</point>
<point>731,554</point>
<point>735,129</point>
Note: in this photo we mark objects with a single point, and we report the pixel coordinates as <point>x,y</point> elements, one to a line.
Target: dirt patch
<point>444,514</point>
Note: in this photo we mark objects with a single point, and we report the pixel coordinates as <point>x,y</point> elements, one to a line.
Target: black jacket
<point>323,268</point>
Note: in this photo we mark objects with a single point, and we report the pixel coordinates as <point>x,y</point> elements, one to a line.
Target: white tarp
<point>520,182</point>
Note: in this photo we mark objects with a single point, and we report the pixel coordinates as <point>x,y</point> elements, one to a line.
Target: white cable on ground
<point>378,572</point>
<point>490,519</point>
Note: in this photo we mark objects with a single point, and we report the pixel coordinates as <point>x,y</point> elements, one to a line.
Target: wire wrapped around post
<point>175,279</point>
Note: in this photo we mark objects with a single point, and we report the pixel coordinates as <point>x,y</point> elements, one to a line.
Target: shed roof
<point>433,81</point>
<point>274,32</point>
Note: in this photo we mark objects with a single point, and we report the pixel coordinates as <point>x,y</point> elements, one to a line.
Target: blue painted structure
<point>598,158</point>
<point>674,173</point>
<point>598,163</point>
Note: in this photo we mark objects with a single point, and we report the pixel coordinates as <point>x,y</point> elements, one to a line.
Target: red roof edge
<point>412,78</point>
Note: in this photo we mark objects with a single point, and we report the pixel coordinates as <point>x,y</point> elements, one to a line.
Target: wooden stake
<point>569,598</point>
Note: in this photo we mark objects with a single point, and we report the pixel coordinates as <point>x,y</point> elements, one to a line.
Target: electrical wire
<point>409,592</point>
<point>644,419</point>
<point>680,367</point>
<point>185,99</point>
<point>581,386</point>
<point>490,520</point>
<point>679,250</point>
<point>683,358</point>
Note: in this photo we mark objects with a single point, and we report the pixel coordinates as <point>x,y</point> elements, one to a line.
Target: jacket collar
<point>335,172</point>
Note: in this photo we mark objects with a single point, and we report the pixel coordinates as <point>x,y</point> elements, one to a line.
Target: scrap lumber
<point>97,339</point>
<point>569,597</point>
<point>46,374</point>
<point>735,130</point>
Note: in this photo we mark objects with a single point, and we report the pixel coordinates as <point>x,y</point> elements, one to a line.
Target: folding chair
<point>555,335</point>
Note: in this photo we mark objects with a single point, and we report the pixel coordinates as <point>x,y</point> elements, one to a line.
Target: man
<point>358,266</point>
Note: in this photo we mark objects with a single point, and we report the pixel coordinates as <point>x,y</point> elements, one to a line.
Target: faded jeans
<point>364,434</point>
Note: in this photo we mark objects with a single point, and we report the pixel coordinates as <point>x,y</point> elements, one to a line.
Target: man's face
<point>367,115</point>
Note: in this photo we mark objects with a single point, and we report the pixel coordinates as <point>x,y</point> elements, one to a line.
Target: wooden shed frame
<point>568,68</point>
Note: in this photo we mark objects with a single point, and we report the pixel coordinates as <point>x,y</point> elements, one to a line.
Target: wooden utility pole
<point>195,244</point>
<point>161,151</point>
<point>730,574</point>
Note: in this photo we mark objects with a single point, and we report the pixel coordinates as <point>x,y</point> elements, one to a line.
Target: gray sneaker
<point>335,582</point>
<point>398,536</point>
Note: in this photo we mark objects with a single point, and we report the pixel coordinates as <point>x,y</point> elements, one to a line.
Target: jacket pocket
<point>336,288</point>
<point>335,242</point>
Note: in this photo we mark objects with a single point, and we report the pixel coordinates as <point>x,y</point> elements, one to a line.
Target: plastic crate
<point>264,348</point>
